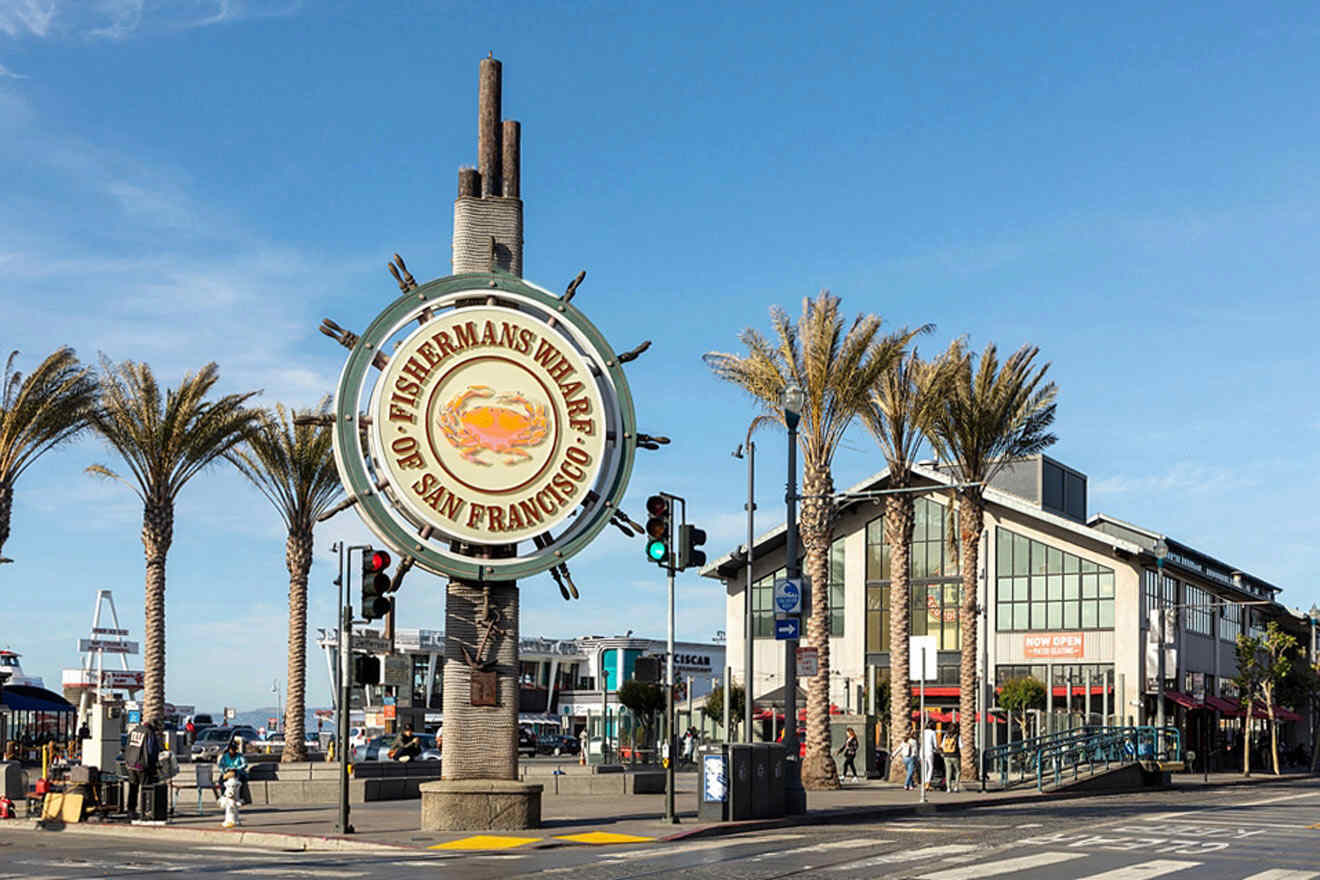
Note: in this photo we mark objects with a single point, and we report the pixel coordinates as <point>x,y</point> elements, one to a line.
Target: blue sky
<point>1132,189</point>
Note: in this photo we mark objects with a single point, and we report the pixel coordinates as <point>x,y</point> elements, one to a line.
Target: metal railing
<point>1030,759</point>
<point>1107,746</point>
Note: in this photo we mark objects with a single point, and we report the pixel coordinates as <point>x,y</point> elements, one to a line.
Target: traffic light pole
<point>345,682</point>
<point>795,797</point>
<point>671,816</point>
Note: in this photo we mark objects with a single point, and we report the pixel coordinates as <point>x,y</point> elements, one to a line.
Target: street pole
<point>986,688</point>
<point>748,634</point>
<point>341,700</point>
<point>795,797</point>
<point>1161,550</point>
<point>670,816</point>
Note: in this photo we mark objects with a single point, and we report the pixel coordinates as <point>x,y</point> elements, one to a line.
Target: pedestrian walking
<point>140,758</point>
<point>583,742</point>
<point>952,766</point>
<point>907,753</point>
<point>929,747</point>
<point>849,752</point>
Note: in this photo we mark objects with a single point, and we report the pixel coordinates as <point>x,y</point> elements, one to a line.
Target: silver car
<point>212,741</point>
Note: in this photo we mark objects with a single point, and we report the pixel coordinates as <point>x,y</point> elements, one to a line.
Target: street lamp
<point>795,798</point>
<point>748,633</point>
<point>1161,550</point>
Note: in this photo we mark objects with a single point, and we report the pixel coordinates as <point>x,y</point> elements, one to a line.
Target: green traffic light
<point>657,550</point>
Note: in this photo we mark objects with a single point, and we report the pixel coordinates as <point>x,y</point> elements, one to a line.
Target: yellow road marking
<point>486,841</point>
<point>603,837</point>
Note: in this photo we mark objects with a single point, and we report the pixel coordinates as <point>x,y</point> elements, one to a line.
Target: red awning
<point>942,691</point>
<point>1286,714</point>
<point>1225,707</point>
<point>1183,700</point>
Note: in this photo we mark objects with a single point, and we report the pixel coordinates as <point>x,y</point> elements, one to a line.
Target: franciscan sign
<point>492,423</point>
<point>500,418</point>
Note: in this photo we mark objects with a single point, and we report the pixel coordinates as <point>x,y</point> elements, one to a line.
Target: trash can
<point>741,803</point>
<point>713,784</point>
<point>12,783</point>
<point>775,758</point>
<point>761,805</point>
<point>156,801</point>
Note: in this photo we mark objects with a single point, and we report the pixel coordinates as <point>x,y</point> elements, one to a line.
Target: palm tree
<point>165,440</point>
<point>37,413</point>
<point>836,366</point>
<point>292,462</point>
<point>902,405</point>
<point>990,416</point>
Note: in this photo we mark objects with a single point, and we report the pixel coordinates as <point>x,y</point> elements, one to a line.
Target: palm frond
<point>291,464</point>
<point>166,441</point>
<point>42,410</point>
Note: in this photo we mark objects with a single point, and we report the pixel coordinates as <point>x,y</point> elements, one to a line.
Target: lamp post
<point>795,798</point>
<point>1161,551</point>
<point>748,633</point>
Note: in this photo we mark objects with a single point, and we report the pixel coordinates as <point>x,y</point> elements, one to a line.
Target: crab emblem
<point>501,430</point>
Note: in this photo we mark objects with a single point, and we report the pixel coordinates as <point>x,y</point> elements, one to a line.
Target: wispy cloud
<point>1182,477</point>
<point>122,19</point>
<point>6,73</point>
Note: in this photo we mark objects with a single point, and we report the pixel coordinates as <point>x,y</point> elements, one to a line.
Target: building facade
<point>565,684</point>
<point>1068,599</point>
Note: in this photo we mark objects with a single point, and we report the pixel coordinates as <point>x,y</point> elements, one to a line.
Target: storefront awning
<point>1286,714</point>
<point>1224,707</point>
<point>1183,700</point>
<point>25,698</point>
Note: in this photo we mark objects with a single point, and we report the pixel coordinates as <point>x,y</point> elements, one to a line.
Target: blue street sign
<point>788,628</point>
<point>788,595</point>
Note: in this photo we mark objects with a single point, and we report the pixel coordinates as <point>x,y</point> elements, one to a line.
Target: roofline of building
<point>991,495</point>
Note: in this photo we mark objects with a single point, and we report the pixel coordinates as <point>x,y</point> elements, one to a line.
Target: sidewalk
<point>393,826</point>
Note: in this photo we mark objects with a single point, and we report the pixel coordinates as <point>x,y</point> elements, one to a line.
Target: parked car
<point>274,743</point>
<point>377,748</point>
<point>557,744</point>
<point>526,742</point>
<point>212,741</point>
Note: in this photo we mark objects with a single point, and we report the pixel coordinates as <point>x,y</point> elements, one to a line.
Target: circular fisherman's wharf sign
<point>484,427</point>
<point>490,426</point>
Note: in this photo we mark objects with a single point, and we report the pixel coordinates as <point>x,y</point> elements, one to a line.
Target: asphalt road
<point>1267,832</point>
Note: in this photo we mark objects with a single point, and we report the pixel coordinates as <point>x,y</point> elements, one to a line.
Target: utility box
<point>713,784</point>
<point>775,757</point>
<point>13,785</point>
<point>762,808</point>
<point>102,749</point>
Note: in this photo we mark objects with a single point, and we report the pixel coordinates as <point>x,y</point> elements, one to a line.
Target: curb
<point>225,836</point>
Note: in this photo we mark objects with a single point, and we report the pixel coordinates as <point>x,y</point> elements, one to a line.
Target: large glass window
<point>934,585</point>
<point>1040,587</point>
<point>763,597</point>
<point>1230,622</point>
<point>1199,618</point>
<point>836,587</point>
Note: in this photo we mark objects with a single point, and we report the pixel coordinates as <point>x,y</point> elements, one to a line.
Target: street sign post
<point>922,655</point>
<point>788,628</point>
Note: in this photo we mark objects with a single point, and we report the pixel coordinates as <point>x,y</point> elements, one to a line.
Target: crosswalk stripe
<point>1283,874</point>
<point>911,855</point>
<point>1004,866</point>
<point>1153,868</point>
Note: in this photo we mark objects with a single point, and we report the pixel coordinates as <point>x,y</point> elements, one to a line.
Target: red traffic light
<point>657,505</point>
<point>380,560</point>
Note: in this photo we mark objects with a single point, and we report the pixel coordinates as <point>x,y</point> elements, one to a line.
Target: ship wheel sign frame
<point>478,413</point>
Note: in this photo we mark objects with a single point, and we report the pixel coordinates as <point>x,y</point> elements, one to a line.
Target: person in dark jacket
<point>407,746</point>
<point>140,757</point>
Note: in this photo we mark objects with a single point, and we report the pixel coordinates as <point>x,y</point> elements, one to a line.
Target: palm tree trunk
<point>157,535</point>
<point>971,518</point>
<point>818,769</point>
<point>6,510</point>
<point>298,559</point>
<point>898,535</point>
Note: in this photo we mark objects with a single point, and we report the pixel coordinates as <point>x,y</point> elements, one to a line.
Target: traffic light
<point>689,539</point>
<point>659,530</point>
<point>375,584</point>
